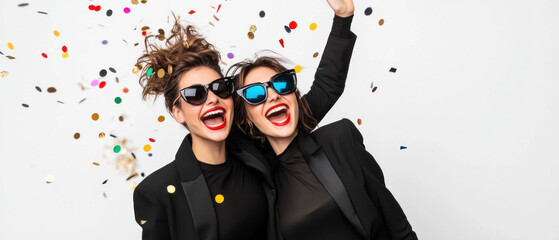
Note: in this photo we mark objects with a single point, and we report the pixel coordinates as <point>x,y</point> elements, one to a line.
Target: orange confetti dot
<point>161,118</point>
<point>298,68</point>
<point>56,33</point>
<point>95,117</point>
<point>381,22</point>
<point>96,164</point>
<point>147,147</point>
<point>312,27</point>
<point>11,46</point>
<point>125,90</point>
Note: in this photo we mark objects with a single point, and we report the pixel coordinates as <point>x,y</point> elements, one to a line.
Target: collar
<point>306,143</point>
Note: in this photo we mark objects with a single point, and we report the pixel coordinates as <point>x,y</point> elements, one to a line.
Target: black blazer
<point>336,155</point>
<point>188,213</point>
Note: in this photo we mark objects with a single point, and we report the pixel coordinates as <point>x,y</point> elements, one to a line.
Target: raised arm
<point>330,77</point>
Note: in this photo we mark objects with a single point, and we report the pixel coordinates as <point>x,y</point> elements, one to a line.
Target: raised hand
<point>342,8</point>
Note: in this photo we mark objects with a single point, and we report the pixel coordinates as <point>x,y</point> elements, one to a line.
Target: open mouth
<point>214,118</point>
<point>278,114</point>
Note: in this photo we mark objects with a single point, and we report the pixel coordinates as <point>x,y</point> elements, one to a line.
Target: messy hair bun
<point>163,65</point>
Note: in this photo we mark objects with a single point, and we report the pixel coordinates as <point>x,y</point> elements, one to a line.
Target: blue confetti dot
<point>403,147</point>
<point>149,154</point>
<point>104,42</point>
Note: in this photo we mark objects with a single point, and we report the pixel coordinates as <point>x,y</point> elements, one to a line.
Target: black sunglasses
<point>197,94</point>
<point>283,83</point>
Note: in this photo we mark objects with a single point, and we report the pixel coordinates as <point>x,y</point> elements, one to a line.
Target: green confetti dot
<point>118,100</point>
<point>116,149</point>
<point>320,68</point>
<point>149,72</point>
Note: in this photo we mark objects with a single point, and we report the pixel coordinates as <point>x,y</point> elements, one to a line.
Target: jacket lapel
<point>196,190</point>
<point>322,168</point>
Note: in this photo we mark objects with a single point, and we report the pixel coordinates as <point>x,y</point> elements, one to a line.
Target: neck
<point>207,151</point>
<point>280,144</point>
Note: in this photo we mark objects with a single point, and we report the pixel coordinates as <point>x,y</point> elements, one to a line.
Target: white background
<point>474,101</point>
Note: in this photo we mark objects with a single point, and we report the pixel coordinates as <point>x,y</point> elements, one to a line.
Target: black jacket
<point>336,155</point>
<point>188,213</point>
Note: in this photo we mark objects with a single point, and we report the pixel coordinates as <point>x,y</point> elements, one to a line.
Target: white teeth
<point>213,113</point>
<point>276,110</point>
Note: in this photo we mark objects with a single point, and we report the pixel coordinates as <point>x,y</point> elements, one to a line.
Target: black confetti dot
<point>109,12</point>
<point>42,12</point>
<point>287,29</point>
<point>112,70</point>
<point>23,4</point>
<point>113,136</point>
<point>105,181</point>
<point>393,70</point>
<point>133,155</point>
<point>368,11</point>
<point>262,14</point>
<point>143,175</point>
<point>103,73</point>
<point>38,89</point>
<point>82,100</point>
<point>24,105</point>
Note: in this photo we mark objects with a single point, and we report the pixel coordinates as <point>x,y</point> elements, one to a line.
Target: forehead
<point>259,74</point>
<point>198,75</point>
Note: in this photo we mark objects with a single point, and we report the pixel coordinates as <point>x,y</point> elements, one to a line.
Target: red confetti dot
<point>144,33</point>
<point>97,8</point>
<point>218,7</point>
<point>125,90</point>
<point>44,55</point>
<point>102,84</point>
<point>281,42</point>
<point>91,7</point>
<point>191,12</point>
<point>64,49</point>
<point>152,140</point>
<point>292,25</point>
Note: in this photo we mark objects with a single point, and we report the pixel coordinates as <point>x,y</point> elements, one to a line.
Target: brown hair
<point>184,50</point>
<point>306,120</point>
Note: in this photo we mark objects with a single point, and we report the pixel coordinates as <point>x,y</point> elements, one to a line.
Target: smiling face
<point>210,121</point>
<point>277,117</point>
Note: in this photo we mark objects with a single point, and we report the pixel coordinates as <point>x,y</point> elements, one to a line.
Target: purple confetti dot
<point>104,42</point>
<point>126,10</point>
<point>94,83</point>
<point>149,154</point>
<point>230,55</point>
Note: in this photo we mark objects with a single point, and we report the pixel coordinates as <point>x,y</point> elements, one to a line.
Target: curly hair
<point>240,70</point>
<point>183,50</point>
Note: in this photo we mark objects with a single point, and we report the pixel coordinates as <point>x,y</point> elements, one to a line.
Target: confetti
<point>121,118</point>
<point>10,46</point>
<point>149,72</point>
<point>150,154</point>
<point>125,90</point>
<point>171,189</point>
<point>142,174</point>
<point>10,57</point>
<point>359,121</point>
<point>218,7</point>
<point>312,27</point>
<point>191,12</point>
<point>95,117</point>
<point>381,22</point>
<point>216,18</point>
<point>82,100</point>
<point>94,83</point>
<point>56,33</point>
<point>142,222</point>
<point>112,70</point>
<point>374,89</point>
<point>23,5</point>
<point>368,11</point>
<point>64,48</point>
<point>262,14</point>
<point>104,195</point>
<point>118,100</point>
<point>112,135</point>
<point>161,118</point>
<point>104,182</point>
<point>403,147</point>
<point>24,105</point>
<point>96,164</point>
<point>135,2</point>
<point>281,42</point>
<point>152,140</point>
<point>65,55</point>
<point>170,69</point>
<point>250,35</point>
<point>101,134</point>
<point>44,55</point>
<point>126,10</point>
<point>61,102</point>
<point>293,25</point>
<point>49,179</point>
<point>219,198</point>
<point>134,156</point>
<point>42,12</point>
<point>230,55</point>
<point>298,68</point>
<point>315,55</point>
<point>134,174</point>
<point>393,70</point>
<point>76,135</point>
<point>109,13</point>
<point>104,42</point>
<point>147,147</point>
<point>252,28</point>
<point>117,149</point>
<point>4,74</point>
<point>102,84</point>
<point>161,73</point>
<point>103,73</point>
<point>51,90</point>
<point>287,29</point>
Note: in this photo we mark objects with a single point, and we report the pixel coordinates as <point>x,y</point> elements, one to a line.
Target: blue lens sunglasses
<point>283,83</point>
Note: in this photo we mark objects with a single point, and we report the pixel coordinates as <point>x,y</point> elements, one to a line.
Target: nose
<point>272,95</point>
<point>212,99</point>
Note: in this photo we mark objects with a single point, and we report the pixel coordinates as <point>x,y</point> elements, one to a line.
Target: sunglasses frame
<point>291,72</point>
<point>207,88</point>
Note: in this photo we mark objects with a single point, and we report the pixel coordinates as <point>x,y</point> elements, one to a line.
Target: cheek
<point>252,112</point>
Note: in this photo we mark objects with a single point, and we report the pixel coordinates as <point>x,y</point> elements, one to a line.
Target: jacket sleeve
<point>392,214</point>
<point>150,215</point>
<point>332,70</point>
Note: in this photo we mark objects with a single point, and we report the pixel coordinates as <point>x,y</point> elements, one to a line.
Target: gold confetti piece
<point>161,118</point>
<point>161,73</point>
<point>10,57</point>
<point>298,68</point>
<point>315,55</point>
<point>211,23</point>
<point>133,185</point>
<point>135,2</point>
<point>95,117</point>
<point>65,55</point>
<point>49,179</point>
<point>121,118</point>
<point>76,135</point>
<point>215,17</point>
<point>142,222</point>
<point>359,121</point>
<point>56,33</point>
<point>147,147</point>
<point>219,198</point>
<point>145,28</point>
<point>116,79</point>
<point>144,1</point>
<point>96,164</point>
<point>381,22</point>
<point>170,69</point>
<point>252,28</point>
<point>10,46</point>
<point>374,89</point>
<point>101,134</point>
<point>250,35</point>
<point>161,37</point>
<point>312,27</point>
<point>4,74</point>
<point>171,189</point>
<point>81,86</point>
<point>134,174</point>
<point>51,90</point>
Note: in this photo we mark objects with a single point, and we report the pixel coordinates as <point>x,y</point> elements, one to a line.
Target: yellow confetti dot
<point>171,189</point>
<point>65,55</point>
<point>252,28</point>
<point>312,27</point>
<point>298,68</point>
<point>56,33</point>
<point>101,135</point>
<point>133,185</point>
<point>161,118</point>
<point>160,73</point>
<point>10,45</point>
<point>49,178</point>
<point>219,198</point>
<point>170,69</point>
<point>142,222</point>
<point>147,147</point>
<point>95,116</point>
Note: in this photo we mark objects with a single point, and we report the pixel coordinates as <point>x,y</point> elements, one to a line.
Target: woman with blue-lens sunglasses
<point>219,185</point>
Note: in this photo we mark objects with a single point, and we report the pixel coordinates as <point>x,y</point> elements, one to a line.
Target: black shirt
<point>239,200</point>
<point>306,210</point>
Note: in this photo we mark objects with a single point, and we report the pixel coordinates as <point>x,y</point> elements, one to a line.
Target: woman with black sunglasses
<point>218,187</point>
